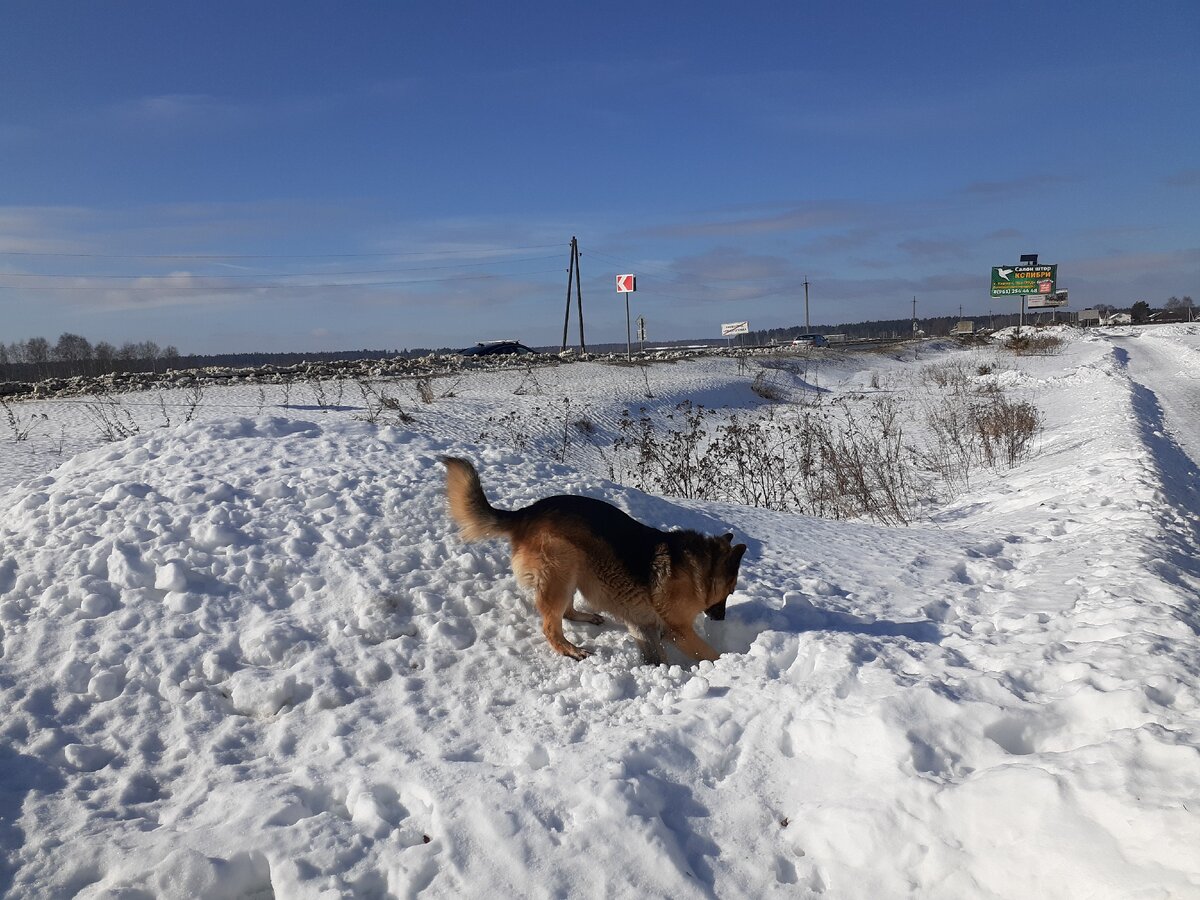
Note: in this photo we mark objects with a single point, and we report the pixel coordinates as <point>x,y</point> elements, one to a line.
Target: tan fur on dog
<point>655,581</point>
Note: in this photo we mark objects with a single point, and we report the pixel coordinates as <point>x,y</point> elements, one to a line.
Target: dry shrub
<point>948,376</point>
<point>1034,344</point>
<point>953,449</point>
<point>379,405</point>
<point>766,387</point>
<point>851,458</point>
<point>969,432</point>
<point>426,393</point>
<point>842,465</point>
<point>1007,430</point>
<point>18,424</point>
<point>114,421</point>
<point>424,389</point>
<point>864,469</point>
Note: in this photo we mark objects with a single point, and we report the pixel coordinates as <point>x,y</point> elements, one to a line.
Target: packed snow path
<point>248,657</point>
<point>1167,369</point>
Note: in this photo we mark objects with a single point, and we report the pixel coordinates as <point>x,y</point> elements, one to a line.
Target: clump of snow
<point>248,656</point>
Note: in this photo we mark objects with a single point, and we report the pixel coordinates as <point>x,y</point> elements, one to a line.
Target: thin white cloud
<point>44,229</point>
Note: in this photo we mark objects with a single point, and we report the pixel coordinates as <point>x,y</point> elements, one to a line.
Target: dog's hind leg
<point>546,572</point>
<point>553,598</point>
<point>575,615</point>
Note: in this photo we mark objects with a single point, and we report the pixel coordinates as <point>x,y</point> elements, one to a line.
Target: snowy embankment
<point>247,656</point>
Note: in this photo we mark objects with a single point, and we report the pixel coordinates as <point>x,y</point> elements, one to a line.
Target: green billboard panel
<point>1008,280</point>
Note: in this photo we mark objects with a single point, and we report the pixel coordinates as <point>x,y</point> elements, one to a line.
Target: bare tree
<point>105,354</point>
<point>74,352</point>
<point>126,357</point>
<point>148,352</point>
<point>37,353</point>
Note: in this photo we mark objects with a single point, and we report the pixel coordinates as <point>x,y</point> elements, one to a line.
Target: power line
<point>285,274</point>
<point>785,291</point>
<point>48,253</point>
<point>677,274</point>
<point>621,263</point>
<point>167,288</point>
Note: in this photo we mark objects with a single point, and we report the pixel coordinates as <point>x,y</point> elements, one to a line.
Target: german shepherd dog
<point>656,582</point>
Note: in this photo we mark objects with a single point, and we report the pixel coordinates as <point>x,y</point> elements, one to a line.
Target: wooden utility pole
<point>570,275</point>
<point>807,327</point>
<point>573,275</point>
<point>579,297</point>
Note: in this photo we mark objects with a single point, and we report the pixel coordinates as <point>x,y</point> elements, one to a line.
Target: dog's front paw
<point>566,648</point>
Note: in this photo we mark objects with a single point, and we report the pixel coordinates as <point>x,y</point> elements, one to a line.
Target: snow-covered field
<point>247,656</point>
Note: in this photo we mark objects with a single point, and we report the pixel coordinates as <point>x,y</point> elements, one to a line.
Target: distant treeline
<point>72,355</point>
<point>883,329</point>
<point>37,358</point>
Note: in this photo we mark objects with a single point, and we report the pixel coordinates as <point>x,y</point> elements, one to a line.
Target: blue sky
<point>301,176</point>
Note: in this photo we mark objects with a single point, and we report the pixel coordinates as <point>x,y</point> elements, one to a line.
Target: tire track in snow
<point>1178,508</point>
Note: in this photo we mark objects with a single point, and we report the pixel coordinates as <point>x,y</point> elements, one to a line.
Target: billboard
<point>1009,280</point>
<point>1048,301</point>
<point>735,328</point>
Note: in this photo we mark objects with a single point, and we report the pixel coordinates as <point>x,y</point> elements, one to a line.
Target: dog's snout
<point>716,611</point>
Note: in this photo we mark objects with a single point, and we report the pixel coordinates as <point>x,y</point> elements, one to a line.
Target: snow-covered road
<point>1167,365</point>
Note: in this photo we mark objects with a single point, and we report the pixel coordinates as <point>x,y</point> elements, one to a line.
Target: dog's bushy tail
<point>477,519</point>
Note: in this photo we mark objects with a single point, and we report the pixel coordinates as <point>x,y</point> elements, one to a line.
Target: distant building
<point>1118,319</point>
<point>1088,317</point>
<point>966,326</point>
<point>1181,314</point>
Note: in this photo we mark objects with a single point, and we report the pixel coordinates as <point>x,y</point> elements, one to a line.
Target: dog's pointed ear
<point>736,558</point>
<point>727,537</point>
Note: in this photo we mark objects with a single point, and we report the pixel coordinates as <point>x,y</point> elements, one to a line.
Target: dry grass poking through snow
<point>918,436</point>
<point>851,457</point>
<point>1031,343</point>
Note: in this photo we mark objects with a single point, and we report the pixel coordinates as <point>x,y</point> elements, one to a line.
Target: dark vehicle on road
<point>496,348</point>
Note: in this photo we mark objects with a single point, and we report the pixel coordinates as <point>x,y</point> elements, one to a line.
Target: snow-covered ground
<point>247,656</point>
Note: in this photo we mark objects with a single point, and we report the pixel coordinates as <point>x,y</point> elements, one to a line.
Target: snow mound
<point>249,658</point>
